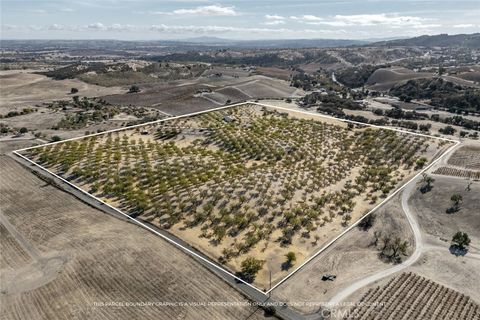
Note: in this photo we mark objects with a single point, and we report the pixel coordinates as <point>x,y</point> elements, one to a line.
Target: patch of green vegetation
<point>356,77</point>
<point>442,94</point>
<point>92,110</point>
<point>120,74</point>
<point>332,100</point>
<point>74,70</point>
<point>319,79</point>
<point>24,111</point>
<point>117,78</point>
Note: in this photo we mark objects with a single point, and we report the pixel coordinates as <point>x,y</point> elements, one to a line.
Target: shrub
<point>461,240</point>
<point>449,130</point>
<point>134,89</point>
<point>291,258</point>
<point>367,222</point>
<point>250,267</point>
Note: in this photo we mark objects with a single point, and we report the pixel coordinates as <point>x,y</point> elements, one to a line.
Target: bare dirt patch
<point>431,209</point>
<point>351,258</point>
<point>284,74</point>
<point>20,89</point>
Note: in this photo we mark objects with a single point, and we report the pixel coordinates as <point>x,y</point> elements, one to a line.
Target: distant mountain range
<point>274,44</point>
<point>205,43</point>
<point>442,40</point>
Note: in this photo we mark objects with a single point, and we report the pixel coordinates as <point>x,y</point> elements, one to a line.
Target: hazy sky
<point>246,19</point>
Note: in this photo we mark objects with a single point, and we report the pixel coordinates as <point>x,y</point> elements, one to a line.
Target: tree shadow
<point>393,259</point>
<point>426,188</point>
<point>286,265</point>
<point>452,210</point>
<point>245,277</point>
<point>458,250</point>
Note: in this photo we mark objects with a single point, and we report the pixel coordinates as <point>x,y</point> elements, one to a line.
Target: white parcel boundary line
<point>232,106</point>
<point>363,217</point>
<point>137,125</point>
<point>354,122</point>
<point>265,293</point>
<point>141,224</point>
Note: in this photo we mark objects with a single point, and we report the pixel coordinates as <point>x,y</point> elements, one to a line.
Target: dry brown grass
<point>98,258</point>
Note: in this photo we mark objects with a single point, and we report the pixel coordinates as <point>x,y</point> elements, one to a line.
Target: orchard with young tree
<point>248,180</point>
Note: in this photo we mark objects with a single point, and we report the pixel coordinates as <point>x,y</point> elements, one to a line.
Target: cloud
<point>466,25</point>
<point>274,22</point>
<point>307,18</point>
<point>6,27</point>
<point>113,27</point>
<point>55,27</point>
<point>213,10</point>
<point>40,11</point>
<point>427,26</point>
<point>380,19</point>
<point>274,17</point>
<point>210,29</point>
<point>67,10</point>
<point>142,29</point>
<point>364,20</point>
<point>97,26</point>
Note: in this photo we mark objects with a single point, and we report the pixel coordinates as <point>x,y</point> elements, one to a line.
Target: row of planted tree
<point>245,173</point>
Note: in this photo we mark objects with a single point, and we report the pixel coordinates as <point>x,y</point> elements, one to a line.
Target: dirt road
<point>420,245</point>
<point>384,273</point>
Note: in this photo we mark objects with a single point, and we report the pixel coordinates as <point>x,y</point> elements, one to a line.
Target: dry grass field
<point>22,88</point>
<point>350,259</point>
<point>409,296</point>
<point>230,93</point>
<point>13,256</point>
<point>385,79</point>
<point>266,88</point>
<point>136,72</point>
<point>438,227</point>
<point>274,72</point>
<point>65,256</point>
<point>204,93</point>
<point>470,76</point>
<point>431,208</point>
<point>461,81</point>
<point>245,181</point>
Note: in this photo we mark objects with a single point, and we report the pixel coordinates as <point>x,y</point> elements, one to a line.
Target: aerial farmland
<point>249,186</point>
<point>239,160</point>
